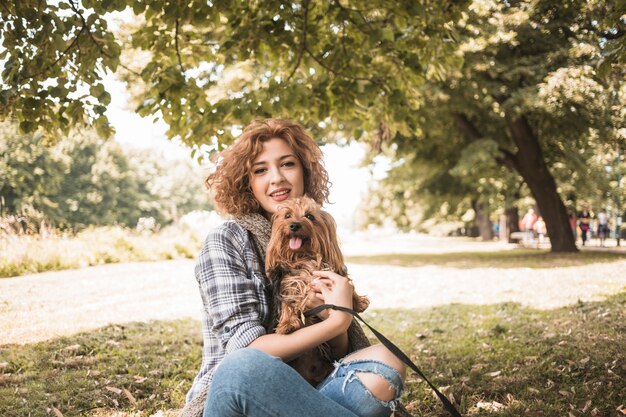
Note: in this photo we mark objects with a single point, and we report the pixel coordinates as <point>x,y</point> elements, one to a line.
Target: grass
<point>139,366</point>
<point>21,255</point>
<point>529,258</point>
<point>496,360</point>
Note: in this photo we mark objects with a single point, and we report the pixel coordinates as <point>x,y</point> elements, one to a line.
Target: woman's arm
<point>334,289</point>
<point>290,346</point>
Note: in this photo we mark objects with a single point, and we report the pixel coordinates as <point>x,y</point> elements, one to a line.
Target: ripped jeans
<point>252,383</point>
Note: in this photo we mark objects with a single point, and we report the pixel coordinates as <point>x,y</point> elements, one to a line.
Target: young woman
<point>244,370</point>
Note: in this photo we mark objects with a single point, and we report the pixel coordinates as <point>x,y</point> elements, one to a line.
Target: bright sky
<point>349,180</point>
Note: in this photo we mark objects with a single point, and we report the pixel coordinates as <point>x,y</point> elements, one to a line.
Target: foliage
<point>84,180</point>
<point>501,359</point>
<point>207,66</point>
<point>529,60</point>
<point>56,56</point>
<point>513,69</point>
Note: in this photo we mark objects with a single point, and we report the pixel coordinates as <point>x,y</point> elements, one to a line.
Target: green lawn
<point>528,258</point>
<point>511,360</point>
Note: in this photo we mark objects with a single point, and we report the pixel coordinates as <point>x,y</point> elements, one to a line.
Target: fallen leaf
<point>478,366</point>
<point>565,393</point>
<point>130,397</point>
<point>585,360</point>
<point>4,365</point>
<point>56,412</point>
<point>489,406</point>
<point>93,373</point>
<point>494,374</point>
<point>140,379</point>
<point>533,390</point>
<point>113,389</point>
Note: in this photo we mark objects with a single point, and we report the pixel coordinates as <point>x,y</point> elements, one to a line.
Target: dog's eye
<point>288,216</point>
<point>309,216</point>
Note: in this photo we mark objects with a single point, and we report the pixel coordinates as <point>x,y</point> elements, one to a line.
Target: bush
<point>22,254</point>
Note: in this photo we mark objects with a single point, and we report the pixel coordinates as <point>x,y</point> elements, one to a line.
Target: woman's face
<point>276,175</point>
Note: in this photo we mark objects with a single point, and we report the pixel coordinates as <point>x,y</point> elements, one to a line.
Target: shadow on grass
<point>131,367</point>
<point>497,360</point>
<point>516,258</point>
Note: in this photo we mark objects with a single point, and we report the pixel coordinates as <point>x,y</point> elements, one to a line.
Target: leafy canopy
<point>206,66</point>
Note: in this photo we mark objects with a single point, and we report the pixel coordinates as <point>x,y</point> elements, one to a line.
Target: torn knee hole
<point>377,385</point>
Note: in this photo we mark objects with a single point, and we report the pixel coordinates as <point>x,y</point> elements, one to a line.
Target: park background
<point>442,123</point>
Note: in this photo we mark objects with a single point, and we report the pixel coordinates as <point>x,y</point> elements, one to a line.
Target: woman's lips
<point>279,196</point>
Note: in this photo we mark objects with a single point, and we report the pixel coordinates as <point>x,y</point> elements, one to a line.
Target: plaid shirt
<point>235,304</point>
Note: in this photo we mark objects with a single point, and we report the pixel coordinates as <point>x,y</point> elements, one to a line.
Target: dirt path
<point>42,306</point>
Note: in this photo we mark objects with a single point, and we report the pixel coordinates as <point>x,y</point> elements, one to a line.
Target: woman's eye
<point>309,216</point>
<point>289,164</point>
<point>259,171</point>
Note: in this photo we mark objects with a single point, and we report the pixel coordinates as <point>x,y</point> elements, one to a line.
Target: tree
<point>85,180</point>
<point>313,60</point>
<point>30,173</point>
<point>351,66</point>
<point>527,99</point>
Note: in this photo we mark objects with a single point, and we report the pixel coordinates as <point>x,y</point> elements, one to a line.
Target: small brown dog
<point>304,239</point>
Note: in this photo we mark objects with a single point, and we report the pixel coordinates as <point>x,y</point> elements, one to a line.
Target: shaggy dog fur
<point>304,239</point>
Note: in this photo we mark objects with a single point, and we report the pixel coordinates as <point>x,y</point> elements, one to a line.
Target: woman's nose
<point>276,176</point>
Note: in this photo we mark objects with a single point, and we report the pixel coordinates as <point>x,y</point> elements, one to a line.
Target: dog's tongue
<point>295,243</point>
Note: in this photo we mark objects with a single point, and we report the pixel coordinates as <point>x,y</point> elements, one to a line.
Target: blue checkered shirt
<point>235,304</point>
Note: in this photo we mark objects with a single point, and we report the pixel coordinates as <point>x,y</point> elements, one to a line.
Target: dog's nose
<point>295,226</point>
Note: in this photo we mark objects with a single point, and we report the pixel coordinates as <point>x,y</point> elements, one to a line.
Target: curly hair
<point>230,182</point>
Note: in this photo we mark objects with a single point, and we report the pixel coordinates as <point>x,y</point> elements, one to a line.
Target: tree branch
<point>612,36</point>
<point>61,55</point>
<point>5,7</point>
<point>303,43</point>
<point>466,127</point>
<point>508,160</point>
<point>180,61</point>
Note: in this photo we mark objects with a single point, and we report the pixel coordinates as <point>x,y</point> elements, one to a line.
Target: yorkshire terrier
<point>304,239</point>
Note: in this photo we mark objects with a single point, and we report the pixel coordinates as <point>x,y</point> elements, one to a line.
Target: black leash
<point>393,348</point>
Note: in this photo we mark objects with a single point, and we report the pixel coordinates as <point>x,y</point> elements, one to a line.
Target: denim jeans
<point>252,383</point>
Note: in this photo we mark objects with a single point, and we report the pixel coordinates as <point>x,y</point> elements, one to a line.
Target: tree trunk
<point>512,221</point>
<point>531,165</point>
<point>485,228</point>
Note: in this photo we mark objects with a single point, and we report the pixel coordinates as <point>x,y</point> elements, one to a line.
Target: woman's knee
<point>378,384</point>
<point>379,353</point>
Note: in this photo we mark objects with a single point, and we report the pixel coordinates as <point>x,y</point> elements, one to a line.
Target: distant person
<point>583,224</point>
<point>528,224</point>
<point>540,230</point>
<point>603,226</point>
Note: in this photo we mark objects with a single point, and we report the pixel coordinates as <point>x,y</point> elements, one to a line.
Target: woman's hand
<point>315,299</point>
<point>332,288</point>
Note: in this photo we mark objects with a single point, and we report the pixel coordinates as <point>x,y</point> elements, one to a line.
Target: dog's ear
<point>329,244</point>
<point>273,256</point>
